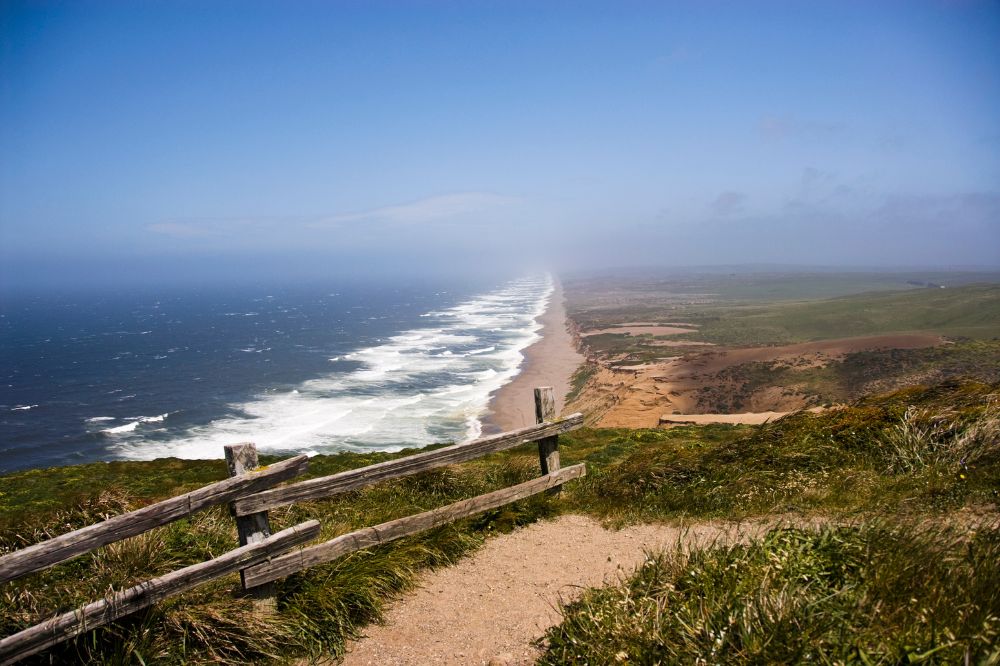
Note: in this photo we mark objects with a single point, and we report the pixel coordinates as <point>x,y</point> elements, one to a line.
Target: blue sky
<point>160,141</point>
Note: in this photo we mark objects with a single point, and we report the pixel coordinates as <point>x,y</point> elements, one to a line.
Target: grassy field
<point>967,315</point>
<point>924,452</point>
<point>971,311</point>
<point>599,301</point>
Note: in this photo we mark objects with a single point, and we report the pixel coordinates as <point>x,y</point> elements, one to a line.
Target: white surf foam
<point>122,429</point>
<point>418,387</point>
<point>151,419</point>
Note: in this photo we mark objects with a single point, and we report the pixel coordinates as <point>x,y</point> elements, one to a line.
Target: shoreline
<point>551,361</point>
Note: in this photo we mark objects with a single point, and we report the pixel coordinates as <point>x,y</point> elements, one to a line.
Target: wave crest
<point>420,386</point>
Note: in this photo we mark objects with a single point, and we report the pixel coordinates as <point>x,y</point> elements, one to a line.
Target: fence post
<point>242,458</point>
<point>548,447</point>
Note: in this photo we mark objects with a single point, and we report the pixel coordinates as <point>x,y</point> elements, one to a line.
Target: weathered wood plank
<point>386,532</point>
<point>242,459</point>
<point>67,546</point>
<point>421,462</point>
<point>93,615</point>
<point>548,447</point>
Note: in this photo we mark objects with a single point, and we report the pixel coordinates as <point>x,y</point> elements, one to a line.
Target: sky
<point>191,141</point>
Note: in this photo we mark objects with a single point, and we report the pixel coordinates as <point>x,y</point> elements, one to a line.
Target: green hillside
<point>970,311</point>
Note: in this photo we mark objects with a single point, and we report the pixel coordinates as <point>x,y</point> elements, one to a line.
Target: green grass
<point>43,491</point>
<point>839,462</point>
<point>632,348</point>
<point>579,380</point>
<point>318,610</point>
<point>970,311</point>
<point>875,593</point>
<point>891,587</point>
<point>597,302</point>
<point>920,452</point>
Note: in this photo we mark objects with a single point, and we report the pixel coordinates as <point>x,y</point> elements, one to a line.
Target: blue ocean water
<point>315,369</point>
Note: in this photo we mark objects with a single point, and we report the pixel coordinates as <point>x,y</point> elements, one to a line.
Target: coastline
<point>551,361</point>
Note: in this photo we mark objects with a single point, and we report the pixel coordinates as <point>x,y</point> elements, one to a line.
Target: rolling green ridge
<point>971,311</point>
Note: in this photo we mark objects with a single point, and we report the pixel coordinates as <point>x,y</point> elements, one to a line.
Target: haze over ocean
<point>360,366</point>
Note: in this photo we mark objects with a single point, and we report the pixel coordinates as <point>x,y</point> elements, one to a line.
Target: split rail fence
<point>263,557</point>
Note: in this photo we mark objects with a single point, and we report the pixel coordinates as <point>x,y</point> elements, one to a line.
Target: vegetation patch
<point>842,461</point>
<point>919,452</point>
<point>874,593</point>
<point>971,311</point>
<point>754,309</point>
<point>318,610</point>
<point>579,380</point>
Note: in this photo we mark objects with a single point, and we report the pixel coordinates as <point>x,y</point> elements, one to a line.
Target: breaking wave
<point>421,386</point>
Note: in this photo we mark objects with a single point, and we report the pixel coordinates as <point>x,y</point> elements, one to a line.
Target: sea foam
<point>421,386</point>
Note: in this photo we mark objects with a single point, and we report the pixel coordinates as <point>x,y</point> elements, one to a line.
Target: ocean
<point>315,369</point>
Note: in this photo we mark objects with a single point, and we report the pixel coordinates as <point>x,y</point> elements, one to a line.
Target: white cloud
<point>466,208</point>
<point>430,209</point>
<point>776,128</point>
<point>178,230</point>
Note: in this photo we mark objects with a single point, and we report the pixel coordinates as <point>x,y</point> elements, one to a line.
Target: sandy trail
<point>746,418</point>
<point>491,607</point>
<point>641,329</point>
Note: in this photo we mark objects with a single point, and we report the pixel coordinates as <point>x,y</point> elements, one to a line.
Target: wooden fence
<point>263,557</point>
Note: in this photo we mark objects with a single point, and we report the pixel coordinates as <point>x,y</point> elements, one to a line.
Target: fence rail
<point>401,527</point>
<point>263,558</point>
<point>72,544</point>
<point>35,639</point>
<point>421,462</point>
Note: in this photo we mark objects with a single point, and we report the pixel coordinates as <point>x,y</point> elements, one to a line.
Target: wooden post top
<point>545,404</point>
<point>241,458</point>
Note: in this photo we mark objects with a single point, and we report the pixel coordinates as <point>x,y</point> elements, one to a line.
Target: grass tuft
<point>873,593</point>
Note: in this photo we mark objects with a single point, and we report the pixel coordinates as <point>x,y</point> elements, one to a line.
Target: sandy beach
<point>549,362</point>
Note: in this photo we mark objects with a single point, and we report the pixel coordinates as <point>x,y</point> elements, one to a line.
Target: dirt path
<point>492,606</point>
<point>749,418</point>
